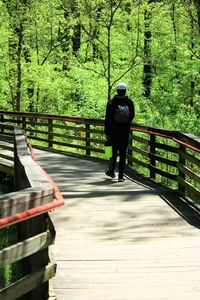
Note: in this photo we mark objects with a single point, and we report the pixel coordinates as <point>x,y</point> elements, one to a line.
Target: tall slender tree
<point>16,10</point>
<point>147,70</point>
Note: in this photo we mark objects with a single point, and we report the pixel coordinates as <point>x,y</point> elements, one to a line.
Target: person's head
<point>121,89</point>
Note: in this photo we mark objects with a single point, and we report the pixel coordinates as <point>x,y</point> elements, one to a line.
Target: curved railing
<point>169,157</point>
<point>24,219</point>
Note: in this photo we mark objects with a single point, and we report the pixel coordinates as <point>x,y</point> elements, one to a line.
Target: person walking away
<point>119,114</point>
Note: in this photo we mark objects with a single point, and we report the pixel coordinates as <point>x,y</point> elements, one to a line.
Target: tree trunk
<point>147,69</point>
<point>197,4</point>
<point>19,32</point>
<point>175,33</point>
<point>192,85</point>
<point>109,63</point>
<point>76,38</point>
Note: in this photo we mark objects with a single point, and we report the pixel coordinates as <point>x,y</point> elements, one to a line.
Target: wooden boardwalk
<point>120,241</point>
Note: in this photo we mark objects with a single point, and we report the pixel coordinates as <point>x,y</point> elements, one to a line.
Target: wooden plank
<point>7,146</point>
<point>153,130</point>
<point>26,194</point>
<point>68,127</point>
<point>11,121</point>
<point>20,142</point>
<point>164,160</point>
<point>189,173</point>
<point>36,138</point>
<point>36,131</point>
<point>34,173</point>
<point>155,156</point>
<point>166,147</point>
<point>139,162</point>
<point>34,123</point>
<point>7,168</point>
<point>97,131</point>
<point>6,126</point>
<point>55,117</point>
<point>6,138</point>
<point>164,173</point>
<point>25,248</point>
<point>190,140</point>
<point>140,151</point>
<point>16,202</point>
<point>39,260</point>
<point>28,283</point>
<point>7,156</point>
<point>190,158</point>
<point>189,187</point>
<point>71,145</point>
<point>140,140</point>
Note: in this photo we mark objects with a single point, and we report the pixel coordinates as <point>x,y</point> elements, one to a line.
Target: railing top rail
<point>8,126</point>
<point>53,117</point>
<point>186,139</point>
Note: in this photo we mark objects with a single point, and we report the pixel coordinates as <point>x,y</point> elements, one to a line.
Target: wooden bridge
<point>133,240</point>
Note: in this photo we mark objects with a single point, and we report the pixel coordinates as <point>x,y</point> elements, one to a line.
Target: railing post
<point>87,135</point>
<point>2,120</point>
<point>182,149</point>
<point>24,123</point>
<point>152,153</point>
<point>50,133</point>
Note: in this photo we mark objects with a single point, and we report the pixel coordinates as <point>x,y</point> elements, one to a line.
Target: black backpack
<point>122,113</point>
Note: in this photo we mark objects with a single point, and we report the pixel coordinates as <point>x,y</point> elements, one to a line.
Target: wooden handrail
<point>155,152</point>
<point>188,139</point>
<point>28,206</point>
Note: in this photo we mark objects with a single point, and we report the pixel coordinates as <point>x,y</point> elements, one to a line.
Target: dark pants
<point>119,147</point>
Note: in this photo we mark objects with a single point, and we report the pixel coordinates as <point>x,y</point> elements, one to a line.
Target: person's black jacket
<point>111,126</point>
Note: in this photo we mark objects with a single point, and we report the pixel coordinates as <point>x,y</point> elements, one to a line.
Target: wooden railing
<point>169,157</point>
<point>24,221</point>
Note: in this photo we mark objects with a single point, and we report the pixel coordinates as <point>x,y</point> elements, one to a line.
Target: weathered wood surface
<point>15,202</point>
<point>121,241</point>
<point>25,248</point>
<point>35,231</point>
<point>6,158</point>
<point>29,282</point>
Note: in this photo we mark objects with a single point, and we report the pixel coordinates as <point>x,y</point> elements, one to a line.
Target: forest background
<point>66,57</point>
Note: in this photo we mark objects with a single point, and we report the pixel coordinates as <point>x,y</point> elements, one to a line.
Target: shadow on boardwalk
<point>121,241</point>
<point>184,208</point>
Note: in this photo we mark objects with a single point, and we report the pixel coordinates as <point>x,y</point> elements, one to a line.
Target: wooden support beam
<point>25,248</point>
<point>187,186</point>
<point>8,169</point>
<point>28,283</point>
<point>189,173</point>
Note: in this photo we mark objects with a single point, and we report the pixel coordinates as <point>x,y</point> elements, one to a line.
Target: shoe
<point>121,179</point>
<point>110,173</point>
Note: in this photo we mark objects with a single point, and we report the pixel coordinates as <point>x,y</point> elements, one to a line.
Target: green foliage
<point>73,54</point>
<point>12,272</point>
